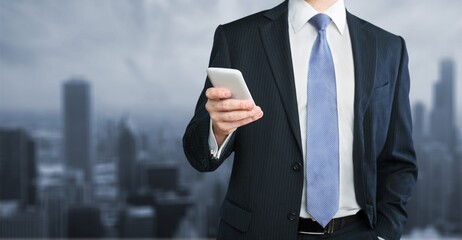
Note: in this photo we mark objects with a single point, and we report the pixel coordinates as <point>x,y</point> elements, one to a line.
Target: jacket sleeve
<point>397,165</point>
<point>195,139</point>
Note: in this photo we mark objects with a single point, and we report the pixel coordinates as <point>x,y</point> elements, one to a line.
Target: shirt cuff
<point>213,145</point>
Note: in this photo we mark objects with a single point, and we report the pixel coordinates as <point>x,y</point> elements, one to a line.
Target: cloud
<point>140,55</point>
<point>150,56</point>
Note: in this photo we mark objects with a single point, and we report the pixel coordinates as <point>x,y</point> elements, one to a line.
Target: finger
<point>237,115</point>
<point>231,105</point>
<point>217,93</point>
<point>228,127</point>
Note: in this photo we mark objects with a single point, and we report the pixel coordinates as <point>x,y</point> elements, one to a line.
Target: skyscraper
<point>84,222</point>
<point>126,152</point>
<point>438,194</point>
<point>77,127</point>
<point>18,170</point>
<point>419,122</point>
<point>443,116</point>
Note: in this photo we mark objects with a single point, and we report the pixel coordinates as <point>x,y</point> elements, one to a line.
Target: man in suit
<point>292,56</point>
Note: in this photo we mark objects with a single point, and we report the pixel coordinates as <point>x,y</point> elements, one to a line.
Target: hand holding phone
<point>229,104</point>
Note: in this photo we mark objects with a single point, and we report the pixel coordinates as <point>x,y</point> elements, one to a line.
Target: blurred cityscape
<point>438,195</point>
<point>70,175</point>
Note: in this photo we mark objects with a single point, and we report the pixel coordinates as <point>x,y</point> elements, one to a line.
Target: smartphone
<point>231,79</point>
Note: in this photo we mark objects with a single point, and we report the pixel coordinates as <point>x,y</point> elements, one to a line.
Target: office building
<point>84,222</point>
<point>77,126</point>
<point>418,122</point>
<point>443,127</point>
<point>126,153</point>
<point>138,222</point>
<point>18,170</point>
<point>23,224</point>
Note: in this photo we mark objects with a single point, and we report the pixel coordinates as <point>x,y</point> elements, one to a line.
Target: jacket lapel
<point>364,56</point>
<point>275,38</point>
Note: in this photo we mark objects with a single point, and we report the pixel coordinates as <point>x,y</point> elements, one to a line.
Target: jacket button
<point>291,216</point>
<point>297,166</point>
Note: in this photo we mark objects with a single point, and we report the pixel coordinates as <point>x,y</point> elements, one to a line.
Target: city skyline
<point>181,118</point>
<point>140,177</point>
<point>438,192</point>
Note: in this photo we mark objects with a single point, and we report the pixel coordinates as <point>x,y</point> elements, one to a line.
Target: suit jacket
<point>265,189</point>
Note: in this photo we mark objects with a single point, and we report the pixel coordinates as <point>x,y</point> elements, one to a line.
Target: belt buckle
<point>327,230</point>
<point>330,227</point>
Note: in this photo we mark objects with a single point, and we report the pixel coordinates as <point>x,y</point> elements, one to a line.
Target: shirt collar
<point>300,12</point>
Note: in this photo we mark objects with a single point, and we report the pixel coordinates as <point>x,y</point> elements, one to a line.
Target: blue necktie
<point>322,159</point>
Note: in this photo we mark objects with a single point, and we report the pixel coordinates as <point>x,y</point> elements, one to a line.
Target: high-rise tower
<point>77,128</point>
<point>443,127</point>
<point>18,167</point>
<point>126,151</point>
<point>419,122</point>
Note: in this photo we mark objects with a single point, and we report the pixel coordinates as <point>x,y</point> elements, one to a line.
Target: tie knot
<point>320,21</point>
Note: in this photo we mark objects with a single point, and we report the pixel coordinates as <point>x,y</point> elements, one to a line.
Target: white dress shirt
<point>302,36</point>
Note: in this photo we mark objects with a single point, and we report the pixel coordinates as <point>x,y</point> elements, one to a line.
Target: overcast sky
<point>150,56</point>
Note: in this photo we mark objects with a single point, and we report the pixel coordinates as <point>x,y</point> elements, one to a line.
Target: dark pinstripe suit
<point>266,185</point>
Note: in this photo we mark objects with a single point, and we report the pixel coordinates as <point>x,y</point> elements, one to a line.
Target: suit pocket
<point>381,92</point>
<point>235,216</point>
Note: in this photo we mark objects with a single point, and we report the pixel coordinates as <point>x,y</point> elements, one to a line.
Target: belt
<point>309,226</point>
